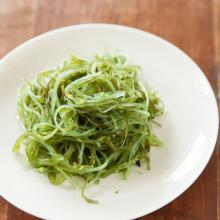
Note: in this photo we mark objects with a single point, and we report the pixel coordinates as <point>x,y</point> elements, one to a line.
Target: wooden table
<point>192,25</point>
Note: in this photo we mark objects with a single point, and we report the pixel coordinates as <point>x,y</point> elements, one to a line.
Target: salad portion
<point>87,119</point>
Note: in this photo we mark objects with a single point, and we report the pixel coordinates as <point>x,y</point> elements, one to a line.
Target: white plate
<point>189,128</point>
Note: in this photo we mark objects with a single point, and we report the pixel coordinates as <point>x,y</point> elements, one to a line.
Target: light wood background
<point>192,25</point>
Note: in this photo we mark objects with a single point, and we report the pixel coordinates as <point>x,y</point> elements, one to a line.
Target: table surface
<point>192,25</point>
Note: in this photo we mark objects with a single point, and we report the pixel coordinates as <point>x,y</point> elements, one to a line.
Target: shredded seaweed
<point>87,119</point>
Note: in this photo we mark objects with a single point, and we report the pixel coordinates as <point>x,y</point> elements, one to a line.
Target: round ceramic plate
<point>189,127</point>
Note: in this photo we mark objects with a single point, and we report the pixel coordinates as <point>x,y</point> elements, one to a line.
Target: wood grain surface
<point>192,25</point>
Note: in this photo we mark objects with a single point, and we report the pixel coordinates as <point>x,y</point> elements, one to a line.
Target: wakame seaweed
<point>87,119</point>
